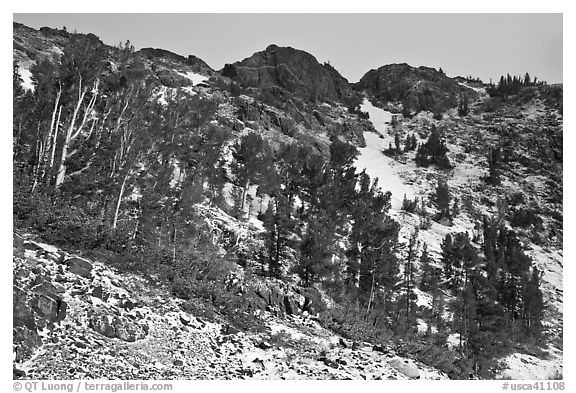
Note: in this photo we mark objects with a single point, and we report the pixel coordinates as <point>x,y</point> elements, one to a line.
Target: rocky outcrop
<point>171,78</point>
<point>36,304</point>
<point>114,326</point>
<point>284,300</point>
<point>293,70</point>
<point>420,88</point>
<point>193,62</point>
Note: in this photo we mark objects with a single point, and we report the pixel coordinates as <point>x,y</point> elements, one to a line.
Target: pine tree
<point>421,158</point>
<point>252,161</point>
<point>463,105</point>
<point>409,284</point>
<point>533,302</point>
<point>315,250</point>
<point>398,149</point>
<point>442,199</point>
<point>433,151</point>
<point>424,218</point>
<point>430,275</point>
<point>455,208</point>
<point>494,165</point>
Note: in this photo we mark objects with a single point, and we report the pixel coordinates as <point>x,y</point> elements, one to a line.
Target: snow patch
<point>26,76</point>
<point>479,90</point>
<point>194,77</point>
<point>377,165</point>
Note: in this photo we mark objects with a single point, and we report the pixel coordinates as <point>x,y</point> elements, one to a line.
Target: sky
<point>480,45</point>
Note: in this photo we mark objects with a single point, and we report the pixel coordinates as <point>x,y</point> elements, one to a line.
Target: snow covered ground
<point>377,165</point>
<point>26,76</point>
<point>479,90</point>
<point>194,77</point>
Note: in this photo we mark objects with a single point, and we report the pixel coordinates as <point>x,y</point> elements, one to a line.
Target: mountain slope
<point>235,208</point>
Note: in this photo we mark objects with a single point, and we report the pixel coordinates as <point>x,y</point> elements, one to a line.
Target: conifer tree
<point>533,309</point>
<point>442,199</point>
<point>431,276</point>
<point>315,250</point>
<point>494,165</point>
<point>408,283</point>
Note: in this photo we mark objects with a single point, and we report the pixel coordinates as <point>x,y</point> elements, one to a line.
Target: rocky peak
<point>423,88</point>
<point>294,70</point>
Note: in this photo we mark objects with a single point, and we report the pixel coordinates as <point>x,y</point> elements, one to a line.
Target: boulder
<point>22,314</point>
<point>102,324</point>
<point>117,327</point>
<point>264,345</point>
<point>127,304</point>
<point>185,319</point>
<point>46,288</point>
<point>50,307</point>
<point>230,329</point>
<point>405,366</point>
<point>126,331</point>
<point>99,293</point>
<point>80,267</point>
<point>291,306</point>
<point>18,374</point>
<point>25,341</point>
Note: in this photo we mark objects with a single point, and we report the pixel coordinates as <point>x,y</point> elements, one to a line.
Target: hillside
<point>273,221</point>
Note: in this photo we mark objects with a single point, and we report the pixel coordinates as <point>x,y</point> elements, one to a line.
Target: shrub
<point>355,325</point>
<point>523,218</point>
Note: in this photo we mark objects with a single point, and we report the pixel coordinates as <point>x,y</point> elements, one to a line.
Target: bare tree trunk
<point>54,142</point>
<point>359,262</point>
<point>40,147</point>
<point>74,132</point>
<point>120,195</point>
<point>49,142</point>
<point>174,244</point>
<point>372,286</point>
<point>243,202</point>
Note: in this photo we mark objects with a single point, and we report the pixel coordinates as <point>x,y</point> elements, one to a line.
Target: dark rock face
<point>230,329</point>
<point>170,78</point>
<point>421,88</point>
<point>80,267</point>
<point>31,312</point>
<point>26,342</point>
<point>286,301</point>
<point>197,64</point>
<point>293,70</point>
<point>51,308</point>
